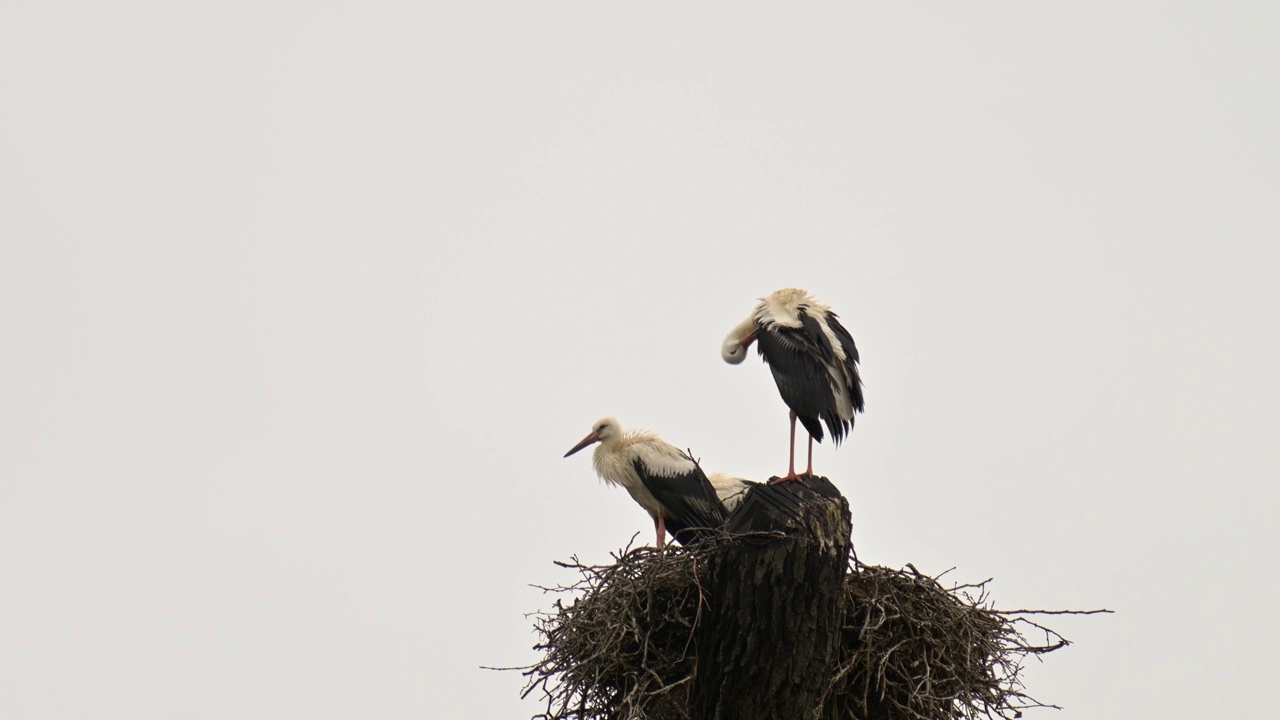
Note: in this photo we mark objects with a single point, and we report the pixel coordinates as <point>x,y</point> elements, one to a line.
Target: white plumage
<point>729,489</point>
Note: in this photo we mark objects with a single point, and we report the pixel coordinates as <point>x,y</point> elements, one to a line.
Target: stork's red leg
<point>809,470</point>
<point>660,525</point>
<point>791,458</point>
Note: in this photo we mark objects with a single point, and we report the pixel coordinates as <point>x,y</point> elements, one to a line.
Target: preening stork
<point>813,361</point>
<point>663,479</point>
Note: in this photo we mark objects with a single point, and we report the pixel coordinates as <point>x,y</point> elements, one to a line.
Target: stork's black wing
<point>796,360</point>
<point>850,362</point>
<point>691,502</point>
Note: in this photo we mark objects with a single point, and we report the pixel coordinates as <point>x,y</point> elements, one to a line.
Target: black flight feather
<point>690,500</point>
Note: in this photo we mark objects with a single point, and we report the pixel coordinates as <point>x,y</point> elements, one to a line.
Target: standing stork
<point>813,361</point>
<point>665,481</point>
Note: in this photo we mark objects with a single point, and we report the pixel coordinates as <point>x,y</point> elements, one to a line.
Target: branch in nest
<point>620,646</point>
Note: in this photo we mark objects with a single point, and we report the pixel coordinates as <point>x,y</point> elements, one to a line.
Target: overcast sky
<point>302,302</point>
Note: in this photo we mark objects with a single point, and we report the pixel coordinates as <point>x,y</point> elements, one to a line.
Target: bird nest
<point>619,644</point>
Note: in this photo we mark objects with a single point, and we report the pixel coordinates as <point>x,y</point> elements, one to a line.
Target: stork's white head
<point>606,430</point>
<point>734,348</point>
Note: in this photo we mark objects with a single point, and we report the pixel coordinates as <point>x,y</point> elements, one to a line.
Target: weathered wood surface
<point>768,639</point>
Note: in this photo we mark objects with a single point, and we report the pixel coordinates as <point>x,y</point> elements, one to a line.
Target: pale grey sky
<point>303,302</point>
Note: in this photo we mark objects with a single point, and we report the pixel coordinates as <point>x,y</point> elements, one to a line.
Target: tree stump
<point>770,631</point>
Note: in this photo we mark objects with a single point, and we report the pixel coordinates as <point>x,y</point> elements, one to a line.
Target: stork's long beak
<point>585,442</point>
<point>747,340</point>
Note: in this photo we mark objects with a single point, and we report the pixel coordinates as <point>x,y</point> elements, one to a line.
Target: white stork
<point>813,360</point>
<point>731,490</point>
<point>665,481</point>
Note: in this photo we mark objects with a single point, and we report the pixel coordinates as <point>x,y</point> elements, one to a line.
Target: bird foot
<point>793,477</point>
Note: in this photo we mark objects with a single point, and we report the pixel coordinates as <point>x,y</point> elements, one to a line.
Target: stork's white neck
<point>733,350</point>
